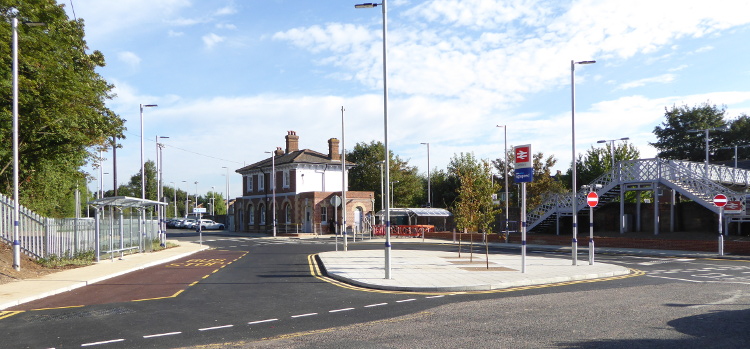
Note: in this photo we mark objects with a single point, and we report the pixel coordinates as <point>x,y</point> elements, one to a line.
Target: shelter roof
<point>418,212</point>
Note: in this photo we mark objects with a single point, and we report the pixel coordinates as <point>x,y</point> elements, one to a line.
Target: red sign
<point>592,199</point>
<point>523,156</point>
<point>733,207</point>
<point>720,200</point>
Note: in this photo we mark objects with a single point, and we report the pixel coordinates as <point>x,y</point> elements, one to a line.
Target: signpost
<point>336,202</point>
<point>720,200</point>
<point>524,173</point>
<point>592,199</point>
<point>199,211</point>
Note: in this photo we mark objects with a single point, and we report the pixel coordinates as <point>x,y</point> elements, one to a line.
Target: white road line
<point>261,321</point>
<point>406,300</point>
<point>102,342</point>
<point>162,334</point>
<point>440,296</point>
<point>338,310</point>
<point>214,328</point>
<point>375,305</point>
<point>303,315</point>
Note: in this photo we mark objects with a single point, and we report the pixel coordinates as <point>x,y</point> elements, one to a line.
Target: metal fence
<point>42,237</point>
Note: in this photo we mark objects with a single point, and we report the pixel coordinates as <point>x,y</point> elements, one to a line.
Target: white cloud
<point>129,58</point>
<point>173,34</point>
<point>227,10</point>
<point>210,40</point>
<point>661,79</point>
<point>226,26</point>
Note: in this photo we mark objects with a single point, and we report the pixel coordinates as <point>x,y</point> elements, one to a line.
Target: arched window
<point>288,213</point>
<point>251,214</point>
<point>262,210</point>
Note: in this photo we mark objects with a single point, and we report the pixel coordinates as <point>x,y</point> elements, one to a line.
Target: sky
<point>231,77</point>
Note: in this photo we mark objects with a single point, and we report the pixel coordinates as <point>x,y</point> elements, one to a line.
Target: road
<point>262,294</point>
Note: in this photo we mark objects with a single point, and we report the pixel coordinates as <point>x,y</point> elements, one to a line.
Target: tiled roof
<point>304,156</point>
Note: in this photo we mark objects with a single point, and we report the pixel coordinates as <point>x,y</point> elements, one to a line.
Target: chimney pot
<point>333,149</point>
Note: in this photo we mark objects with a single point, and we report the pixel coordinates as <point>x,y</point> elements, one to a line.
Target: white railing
<point>42,237</point>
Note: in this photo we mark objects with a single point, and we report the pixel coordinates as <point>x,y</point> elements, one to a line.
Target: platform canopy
<point>125,202</point>
<point>418,212</point>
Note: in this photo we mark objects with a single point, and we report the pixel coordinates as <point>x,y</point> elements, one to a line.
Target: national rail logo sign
<point>524,172</point>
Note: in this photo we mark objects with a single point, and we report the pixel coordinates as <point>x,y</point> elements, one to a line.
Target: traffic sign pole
<point>592,199</point>
<point>721,200</point>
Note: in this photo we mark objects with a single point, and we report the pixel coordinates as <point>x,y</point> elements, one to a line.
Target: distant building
<point>306,182</point>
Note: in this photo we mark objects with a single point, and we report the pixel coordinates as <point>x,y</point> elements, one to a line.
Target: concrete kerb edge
<point>89,282</point>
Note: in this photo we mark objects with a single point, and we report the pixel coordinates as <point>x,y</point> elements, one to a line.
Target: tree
<point>473,209</point>
<point>366,176</point>
<point>738,135</point>
<point>598,161</point>
<point>674,141</point>
<point>544,183</point>
<point>134,186</point>
<point>60,91</point>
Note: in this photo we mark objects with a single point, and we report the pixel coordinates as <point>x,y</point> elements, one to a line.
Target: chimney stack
<point>292,142</point>
<point>333,149</point>
<point>278,151</point>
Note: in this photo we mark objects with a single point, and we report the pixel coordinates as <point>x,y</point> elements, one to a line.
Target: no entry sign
<point>720,200</point>
<point>592,199</point>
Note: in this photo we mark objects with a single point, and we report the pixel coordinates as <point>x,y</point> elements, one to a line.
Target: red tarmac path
<point>162,281</point>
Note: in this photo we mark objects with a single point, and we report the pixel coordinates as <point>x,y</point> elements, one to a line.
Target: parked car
<point>207,224</point>
<point>187,223</point>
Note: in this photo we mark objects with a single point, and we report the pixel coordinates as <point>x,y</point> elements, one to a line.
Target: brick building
<point>305,183</point>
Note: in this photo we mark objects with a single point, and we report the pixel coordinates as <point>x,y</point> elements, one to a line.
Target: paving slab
<point>439,271</point>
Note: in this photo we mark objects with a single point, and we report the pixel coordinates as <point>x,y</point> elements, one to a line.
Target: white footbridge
<point>693,180</point>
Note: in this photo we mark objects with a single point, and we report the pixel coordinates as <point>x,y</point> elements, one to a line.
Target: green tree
<point>63,118</point>
<point>134,186</point>
<point>544,183</point>
<point>674,141</point>
<point>598,161</point>
<point>366,176</point>
<point>473,208</point>
<point>738,135</point>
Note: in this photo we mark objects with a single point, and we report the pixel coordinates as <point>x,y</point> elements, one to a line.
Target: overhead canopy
<point>125,201</point>
<point>417,212</point>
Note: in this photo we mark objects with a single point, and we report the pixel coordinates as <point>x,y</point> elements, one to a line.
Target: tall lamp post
<point>385,126</point>
<point>573,158</point>
<point>143,170</point>
<point>174,186</point>
<point>612,148</point>
<point>429,201</point>
<point>227,198</point>
<point>505,174</point>
<point>16,204</point>
<point>186,200</point>
<point>273,187</point>
<point>735,152</point>
<point>722,128</point>
<point>392,194</point>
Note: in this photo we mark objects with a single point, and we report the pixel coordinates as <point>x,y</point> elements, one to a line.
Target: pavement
<point>412,269</point>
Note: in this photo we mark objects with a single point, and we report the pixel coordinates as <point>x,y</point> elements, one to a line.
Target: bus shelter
<point>115,229</point>
<point>415,221</point>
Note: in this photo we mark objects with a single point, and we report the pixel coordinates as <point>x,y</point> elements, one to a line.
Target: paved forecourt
<point>439,271</point>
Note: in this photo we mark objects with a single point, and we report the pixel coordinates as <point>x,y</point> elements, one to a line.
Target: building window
<point>262,210</point>
<point>251,212</point>
<point>324,214</point>
<point>261,181</point>
<point>286,179</point>
<point>249,179</point>
<point>288,213</point>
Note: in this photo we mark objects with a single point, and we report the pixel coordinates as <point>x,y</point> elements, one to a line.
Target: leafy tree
<point>598,161</point>
<point>366,176</point>
<point>543,185</point>
<point>444,188</point>
<point>674,141</point>
<point>221,207</point>
<point>473,209</point>
<point>134,186</point>
<point>738,135</point>
<point>62,116</point>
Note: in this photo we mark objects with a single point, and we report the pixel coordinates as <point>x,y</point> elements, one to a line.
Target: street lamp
<point>722,128</point>
<point>735,152</point>
<point>161,211</point>
<point>429,202</point>
<point>213,199</point>
<point>273,187</point>
<point>195,204</point>
<point>612,148</point>
<point>143,170</point>
<point>505,174</point>
<point>174,186</point>
<point>385,127</point>
<point>573,158</point>
<point>392,194</point>
<point>16,204</point>
<point>186,201</point>
<point>227,198</point>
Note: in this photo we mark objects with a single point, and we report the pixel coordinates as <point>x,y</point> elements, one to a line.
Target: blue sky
<point>232,77</point>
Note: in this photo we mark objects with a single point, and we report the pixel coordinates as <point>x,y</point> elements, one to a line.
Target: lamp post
<point>722,128</point>
<point>735,152</point>
<point>392,194</point>
<point>429,202</point>
<point>612,148</point>
<point>273,187</point>
<point>161,212</point>
<point>343,181</point>
<point>143,170</point>
<point>213,199</point>
<point>505,174</point>
<point>174,186</point>
<point>573,158</point>
<point>16,204</point>
<point>227,198</point>
<point>385,127</point>
<point>195,204</point>
<point>186,201</point>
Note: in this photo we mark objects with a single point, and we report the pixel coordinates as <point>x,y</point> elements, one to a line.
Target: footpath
<point>412,269</point>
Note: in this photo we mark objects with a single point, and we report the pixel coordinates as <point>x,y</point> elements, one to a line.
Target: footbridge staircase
<point>693,180</point>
